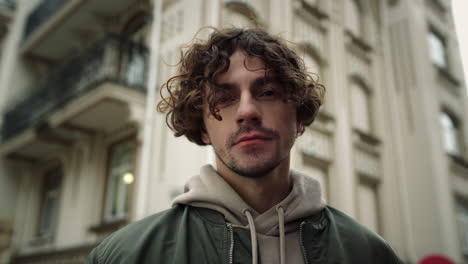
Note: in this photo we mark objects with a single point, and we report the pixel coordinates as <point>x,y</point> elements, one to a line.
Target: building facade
<point>83,151</point>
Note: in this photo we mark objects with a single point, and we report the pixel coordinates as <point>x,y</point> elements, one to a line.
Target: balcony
<point>91,92</point>
<point>55,28</point>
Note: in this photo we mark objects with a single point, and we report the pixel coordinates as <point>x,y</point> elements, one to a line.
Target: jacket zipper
<point>231,239</point>
<point>301,238</point>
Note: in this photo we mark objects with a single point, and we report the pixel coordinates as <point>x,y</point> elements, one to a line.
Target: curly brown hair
<point>200,65</point>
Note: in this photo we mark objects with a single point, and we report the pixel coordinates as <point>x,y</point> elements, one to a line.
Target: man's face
<point>258,128</point>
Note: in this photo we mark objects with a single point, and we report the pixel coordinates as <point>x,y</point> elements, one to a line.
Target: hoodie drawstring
<point>280,211</point>
<point>253,235</point>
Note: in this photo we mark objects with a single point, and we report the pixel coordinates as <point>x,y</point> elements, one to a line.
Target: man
<point>247,94</point>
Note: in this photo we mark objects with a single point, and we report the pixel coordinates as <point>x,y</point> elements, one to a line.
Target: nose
<point>248,110</point>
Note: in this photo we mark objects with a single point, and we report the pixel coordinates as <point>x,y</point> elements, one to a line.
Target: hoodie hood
<point>210,190</point>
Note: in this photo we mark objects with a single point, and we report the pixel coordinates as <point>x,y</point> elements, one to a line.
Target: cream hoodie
<point>276,231</point>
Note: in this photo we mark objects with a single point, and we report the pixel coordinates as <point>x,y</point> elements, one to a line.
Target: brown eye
<point>267,93</point>
<point>225,99</point>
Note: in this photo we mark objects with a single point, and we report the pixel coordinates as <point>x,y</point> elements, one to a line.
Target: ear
<point>205,138</point>
<point>300,129</point>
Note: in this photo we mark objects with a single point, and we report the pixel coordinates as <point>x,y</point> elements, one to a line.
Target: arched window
<point>360,105</point>
<point>437,49</point>
<point>450,134</point>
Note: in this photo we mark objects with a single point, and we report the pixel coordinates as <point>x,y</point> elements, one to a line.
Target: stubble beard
<point>264,164</point>
<point>261,169</point>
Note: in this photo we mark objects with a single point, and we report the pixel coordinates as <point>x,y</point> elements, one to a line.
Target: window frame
<point>456,133</point>
<point>433,34</point>
<point>373,185</point>
<point>107,218</point>
<point>462,224</point>
<point>42,196</point>
<point>355,83</point>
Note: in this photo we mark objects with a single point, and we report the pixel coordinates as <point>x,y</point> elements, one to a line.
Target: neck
<point>260,193</point>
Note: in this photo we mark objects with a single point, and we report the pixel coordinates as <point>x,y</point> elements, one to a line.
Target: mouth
<point>252,139</point>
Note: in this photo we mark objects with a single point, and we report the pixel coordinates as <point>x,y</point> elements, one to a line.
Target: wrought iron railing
<point>113,59</point>
<point>41,14</point>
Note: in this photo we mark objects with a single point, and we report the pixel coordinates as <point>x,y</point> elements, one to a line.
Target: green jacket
<point>185,234</point>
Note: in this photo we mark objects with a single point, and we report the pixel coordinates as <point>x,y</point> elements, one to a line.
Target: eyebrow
<point>255,84</point>
<point>262,81</point>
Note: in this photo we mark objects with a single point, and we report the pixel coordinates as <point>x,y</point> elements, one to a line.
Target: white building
<point>76,161</point>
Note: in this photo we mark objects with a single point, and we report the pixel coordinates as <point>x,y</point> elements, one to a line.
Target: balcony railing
<point>41,14</point>
<point>113,59</point>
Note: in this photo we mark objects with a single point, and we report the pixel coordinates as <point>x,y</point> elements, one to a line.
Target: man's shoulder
<point>166,218</point>
<point>127,241</point>
<point>346,224</point>
<point>355,237</point>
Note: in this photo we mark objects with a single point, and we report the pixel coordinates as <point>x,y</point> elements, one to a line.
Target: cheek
<point>214,131</point>
<point>290,124</point>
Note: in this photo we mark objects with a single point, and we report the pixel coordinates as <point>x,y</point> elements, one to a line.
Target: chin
<point>256,169</point>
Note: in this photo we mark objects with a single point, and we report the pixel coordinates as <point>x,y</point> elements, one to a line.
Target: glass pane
<point>120,179</point>
<point>135,74</point>
<point>437,50</point>
<point>449,133</point>
<point>49,205</point>
<point>462,217</point>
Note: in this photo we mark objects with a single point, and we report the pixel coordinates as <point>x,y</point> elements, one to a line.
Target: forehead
<point>242,66</point>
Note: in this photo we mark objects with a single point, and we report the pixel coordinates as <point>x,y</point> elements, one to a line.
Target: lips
<point>252,138</point>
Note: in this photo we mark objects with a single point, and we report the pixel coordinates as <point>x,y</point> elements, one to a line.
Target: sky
<point>460,8</point>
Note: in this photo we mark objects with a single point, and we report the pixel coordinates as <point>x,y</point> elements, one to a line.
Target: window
<point>49,202</point>
<point>462,217</point>
<point>120,180</point>
<point>368,206</point>
<point>450,134</point>
<point>360,103</point>
<point>437,49</point>
<point>136,68</point>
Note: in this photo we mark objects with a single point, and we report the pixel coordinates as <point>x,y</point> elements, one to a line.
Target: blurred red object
<point>436,259</point>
